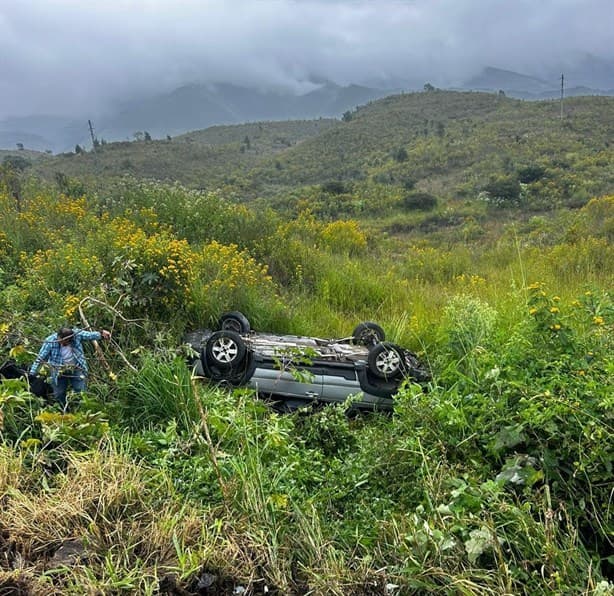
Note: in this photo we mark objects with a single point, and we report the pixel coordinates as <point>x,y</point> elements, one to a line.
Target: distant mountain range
<point>195,107</point>
<point>188,108</point>
<point>528,87</point>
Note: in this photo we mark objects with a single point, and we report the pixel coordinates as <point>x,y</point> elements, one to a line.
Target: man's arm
<point>94,335</point>
<point>88,335</point>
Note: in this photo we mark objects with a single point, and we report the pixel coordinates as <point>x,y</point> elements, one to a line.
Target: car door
<point>339,381</point>
<point>304,383</point>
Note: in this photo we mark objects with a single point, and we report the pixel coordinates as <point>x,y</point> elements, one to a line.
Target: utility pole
<point>94,143</point>
<point>562,92</point>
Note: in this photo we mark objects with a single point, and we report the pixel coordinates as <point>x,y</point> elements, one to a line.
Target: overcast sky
<point>76,56</point>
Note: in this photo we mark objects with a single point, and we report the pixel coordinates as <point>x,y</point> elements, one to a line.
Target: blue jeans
<point>75,380</point>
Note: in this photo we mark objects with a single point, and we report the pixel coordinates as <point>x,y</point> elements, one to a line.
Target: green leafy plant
<point>18,410</point>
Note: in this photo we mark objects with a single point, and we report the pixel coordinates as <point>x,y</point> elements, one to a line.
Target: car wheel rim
<point>368,337</point>
<point>224,350</point>
<point>388,362</point>
<point>232,325</point>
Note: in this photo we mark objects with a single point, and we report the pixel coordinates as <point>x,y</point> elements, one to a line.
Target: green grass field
<point>489,256</point>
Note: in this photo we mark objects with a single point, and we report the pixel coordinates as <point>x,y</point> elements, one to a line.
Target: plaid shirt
<point>51,352</point>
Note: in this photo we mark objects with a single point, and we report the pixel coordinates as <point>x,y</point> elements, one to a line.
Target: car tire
<point>385,361</point>
<point>234,321</point>
<point>225,350</point>
<point>368,334</point>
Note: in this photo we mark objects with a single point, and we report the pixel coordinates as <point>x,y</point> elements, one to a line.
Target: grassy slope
<point>453,141</point>
<point>479,130</point>
<point>26,153</point>
<point>200,159</point>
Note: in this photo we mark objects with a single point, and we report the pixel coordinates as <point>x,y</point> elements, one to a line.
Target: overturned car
<point>293,371</point>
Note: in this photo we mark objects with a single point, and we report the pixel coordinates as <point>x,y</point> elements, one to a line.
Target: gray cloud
<point>74,57</point>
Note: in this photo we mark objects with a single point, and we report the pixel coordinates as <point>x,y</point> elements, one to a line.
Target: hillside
<point>453,145</point>
<point>447,133</point>
<point>193,106</point>
<point>200,159</point>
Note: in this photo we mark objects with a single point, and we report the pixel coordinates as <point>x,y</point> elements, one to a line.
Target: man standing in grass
<point>63,352</point>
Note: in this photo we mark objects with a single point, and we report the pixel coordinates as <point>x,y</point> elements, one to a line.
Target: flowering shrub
<point>227,278</point>
<point>558,383</point>
<point>434,264</point>
<point>6,256</point>
<point>194,215</point>
<point>5,246</point>
<point>344,237</point>
<point>294,251</point>
<point>148,270</point>
<point>546,312</point>
<point>48,220</point>
<point>594,257</point>
<point>56,272</point>
<point>299,249</point>
<point>64,269</point>
<point>599,217</point>
<point>568,329</point>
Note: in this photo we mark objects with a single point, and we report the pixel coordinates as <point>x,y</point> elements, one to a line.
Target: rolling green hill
<point>449,143</point>
<point>200,159</point>
<point>427,135</point>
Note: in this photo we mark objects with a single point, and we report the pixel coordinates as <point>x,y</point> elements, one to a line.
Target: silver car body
<point>297,370</point>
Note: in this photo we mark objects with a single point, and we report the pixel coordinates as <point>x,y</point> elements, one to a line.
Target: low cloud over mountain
<point>119,63</point>
<point>80,58</point>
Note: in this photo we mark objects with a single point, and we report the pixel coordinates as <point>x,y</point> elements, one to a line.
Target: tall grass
<point>159,391</point>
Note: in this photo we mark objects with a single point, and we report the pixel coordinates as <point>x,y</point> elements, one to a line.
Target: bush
<point>70,187</point>
<point>193,215</point>
<point>227,278</point>
<point>59,272</point>
<point>408,183</point>
<point>503,191</point>
<point>344,237</point>
<point>419,201</point>
<point>530,174</point>
<point>400,155</point>
<point>334,187</point>
<point>429,264</point>
<point>17,162</point>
